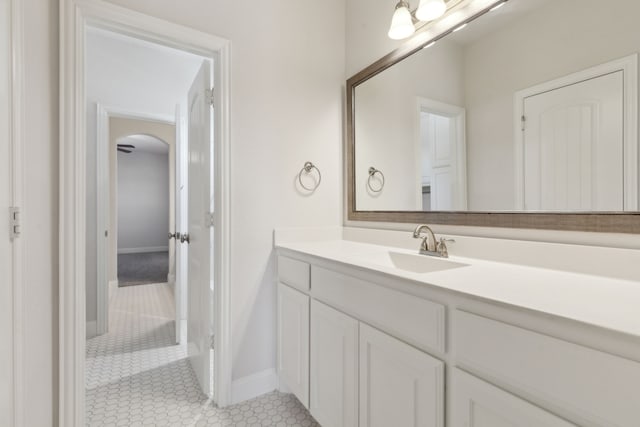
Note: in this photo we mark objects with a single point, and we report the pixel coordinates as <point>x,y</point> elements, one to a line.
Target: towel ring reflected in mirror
<point>372,173</point>
<point>307,169</point>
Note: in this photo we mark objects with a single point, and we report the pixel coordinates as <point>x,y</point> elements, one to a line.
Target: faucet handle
<point>442,247</point>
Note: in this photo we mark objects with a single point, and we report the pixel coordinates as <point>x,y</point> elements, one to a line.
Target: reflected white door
<point>200,234</point>
<point>574,147</point>
<point>6,280</point>
<point>442,157</point>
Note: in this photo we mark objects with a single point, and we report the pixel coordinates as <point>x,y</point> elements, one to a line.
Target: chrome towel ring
<point>308,168</point>
<point>372,172</point>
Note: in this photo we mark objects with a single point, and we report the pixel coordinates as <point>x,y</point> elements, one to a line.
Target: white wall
<point>143,201</point>
<point>387,124</point>
<point>287,77</point>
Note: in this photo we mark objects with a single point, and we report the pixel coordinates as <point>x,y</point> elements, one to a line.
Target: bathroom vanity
<point>527,119</point>
<point>372,335</point>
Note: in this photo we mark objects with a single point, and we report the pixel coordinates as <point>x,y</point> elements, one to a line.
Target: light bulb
<point>428,10</point>
<point>401,23</point>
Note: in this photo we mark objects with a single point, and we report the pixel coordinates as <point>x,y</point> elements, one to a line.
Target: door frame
<point>17,184</point>
<point>103,206</point>
<point>75,15</point>
<point>629,66</point>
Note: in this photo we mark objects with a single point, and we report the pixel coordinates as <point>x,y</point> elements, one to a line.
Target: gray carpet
<point>142,268</point>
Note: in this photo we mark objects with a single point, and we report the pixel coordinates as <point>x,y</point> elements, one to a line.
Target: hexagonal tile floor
<point>137,376</point>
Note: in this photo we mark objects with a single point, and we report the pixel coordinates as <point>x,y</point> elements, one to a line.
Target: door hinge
<point>210,219</point>
<point>14,223</point>
<point>523,120</point>
<point>210,96</point>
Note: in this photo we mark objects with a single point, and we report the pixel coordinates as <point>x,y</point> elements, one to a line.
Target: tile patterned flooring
<point>137,376</point>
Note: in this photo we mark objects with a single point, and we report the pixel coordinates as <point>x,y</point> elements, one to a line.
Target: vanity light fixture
<point>428,10</point>
<point>402,22</point>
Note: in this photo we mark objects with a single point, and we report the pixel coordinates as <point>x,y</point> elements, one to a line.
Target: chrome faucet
<point>430,246</point>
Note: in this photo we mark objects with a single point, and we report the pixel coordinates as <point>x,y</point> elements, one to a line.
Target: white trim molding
<point>629,66</point>
<point>254,385</point>
<point>75,15</point>
<point>18,261</point>
<point>102,221</point>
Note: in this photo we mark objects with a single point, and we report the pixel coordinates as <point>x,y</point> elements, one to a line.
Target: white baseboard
<point>253,385</point>
<point>142,250</point>
<point>92,327</point>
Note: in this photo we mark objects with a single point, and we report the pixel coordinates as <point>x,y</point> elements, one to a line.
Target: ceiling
<point>145,144</point>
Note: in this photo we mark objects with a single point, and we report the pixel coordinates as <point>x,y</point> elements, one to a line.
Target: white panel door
<point>293,342</point>
<point>6,279</point>
<point>399,385</point>
<point>180,250</point>
<point>200,234</point>
<point>334,367</point>
<point>441,139</point>
<point>480,404</point>
<point>574,147</point>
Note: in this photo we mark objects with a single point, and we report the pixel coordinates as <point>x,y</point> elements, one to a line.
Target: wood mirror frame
<point>605,222</point>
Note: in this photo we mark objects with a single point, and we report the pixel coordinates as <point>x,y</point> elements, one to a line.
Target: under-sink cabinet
<point>479,404</point>
<point>363,349</point>
<point>293,341</point>
<point>333,368</point>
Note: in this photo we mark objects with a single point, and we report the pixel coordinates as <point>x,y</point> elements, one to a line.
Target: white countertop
<point>604,302</point>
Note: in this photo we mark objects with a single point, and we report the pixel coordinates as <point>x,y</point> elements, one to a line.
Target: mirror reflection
<point>531,107</point>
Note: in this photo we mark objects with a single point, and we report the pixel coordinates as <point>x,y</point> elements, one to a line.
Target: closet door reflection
<point>574,147</point>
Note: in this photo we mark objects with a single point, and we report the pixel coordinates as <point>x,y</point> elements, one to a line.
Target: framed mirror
<point>518,113</point>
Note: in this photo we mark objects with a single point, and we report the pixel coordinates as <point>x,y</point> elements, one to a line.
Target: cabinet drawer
<point>293,273</point>
<point>410,318</point>
<point>596,388</point>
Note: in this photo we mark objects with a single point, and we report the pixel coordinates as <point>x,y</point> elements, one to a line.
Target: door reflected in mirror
<point>531,108</point>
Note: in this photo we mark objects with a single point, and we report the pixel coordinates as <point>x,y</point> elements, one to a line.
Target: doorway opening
<point>149,135</point>
<point>77,19</point>
<point>144,203</point>
<point>441,156</point>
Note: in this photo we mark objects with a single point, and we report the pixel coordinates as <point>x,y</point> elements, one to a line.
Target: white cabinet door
<point>479,404</point>
<point>334,367</point>
<point>293,341</point>
<point>399,385</point>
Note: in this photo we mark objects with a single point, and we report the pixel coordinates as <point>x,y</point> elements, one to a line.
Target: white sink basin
<point>412,263</point>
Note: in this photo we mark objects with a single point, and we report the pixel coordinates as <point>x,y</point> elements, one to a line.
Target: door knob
<point>172,236</point>
<point>184,238</point>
